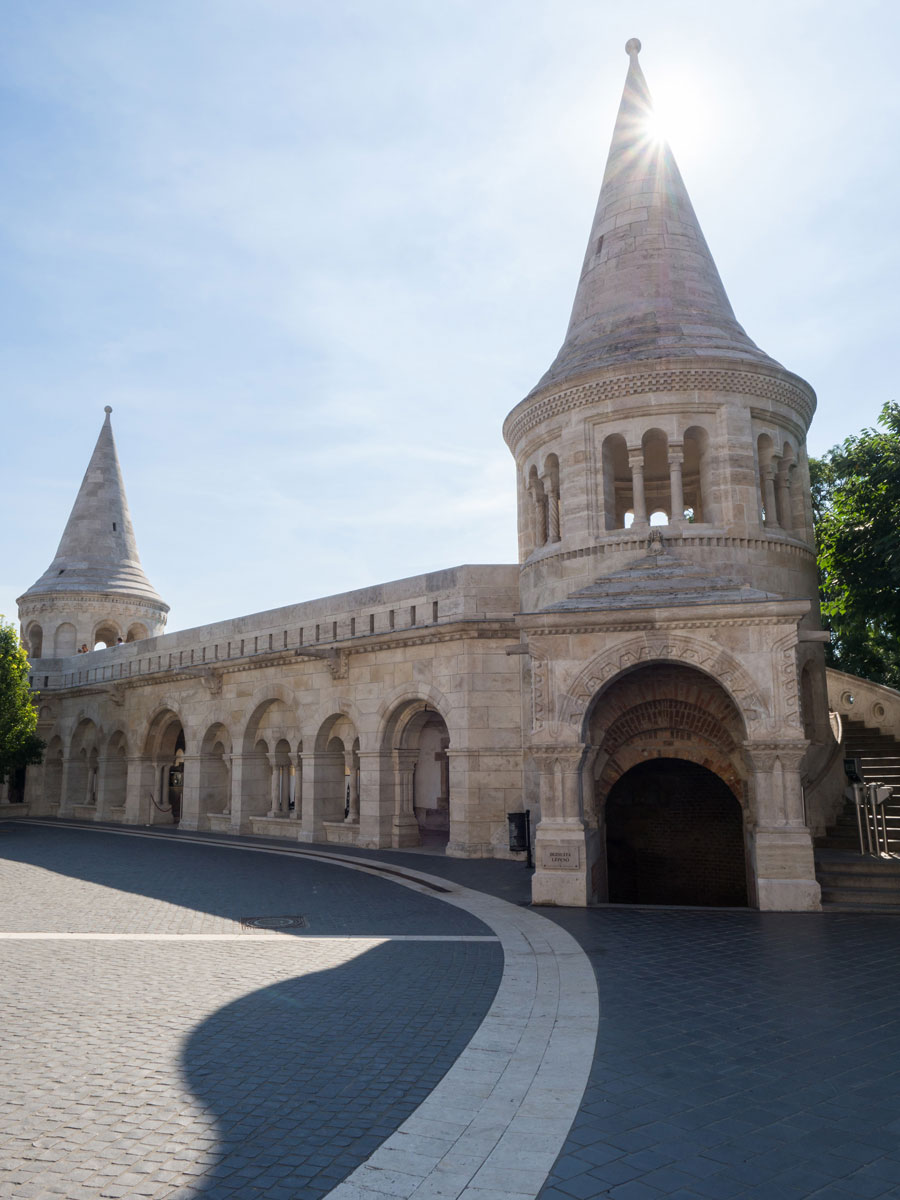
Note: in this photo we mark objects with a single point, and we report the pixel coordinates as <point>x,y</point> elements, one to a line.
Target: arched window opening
<point>538,509</point>
<point>695,477</point>
<point>35,641</point>
<point>657,484</point>
<point>784,485</point>
<point>105,635</point>
<point>765,453</point>
<point>136,633</point>
<point>618,503</point>
<point>659,518</point>
<point>550,481</point>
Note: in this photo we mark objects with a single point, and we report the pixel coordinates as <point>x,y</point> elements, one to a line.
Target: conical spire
<point>98,552</point>
<point>649,288</point>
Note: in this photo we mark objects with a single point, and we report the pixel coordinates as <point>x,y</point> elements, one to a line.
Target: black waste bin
<point>518,830</point>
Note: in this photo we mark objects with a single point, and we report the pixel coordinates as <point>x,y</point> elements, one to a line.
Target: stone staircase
<point>852,882</point>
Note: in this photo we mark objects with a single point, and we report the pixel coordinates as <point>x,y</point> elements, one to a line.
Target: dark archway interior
<point>674,835</point>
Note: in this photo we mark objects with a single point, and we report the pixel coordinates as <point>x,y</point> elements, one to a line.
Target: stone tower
<point>95,589</point>
<point>668,576</point>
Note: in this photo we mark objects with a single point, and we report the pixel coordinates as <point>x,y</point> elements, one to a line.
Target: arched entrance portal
<point>165,754</point>
<point>674,835</point>
<point>669,778</point>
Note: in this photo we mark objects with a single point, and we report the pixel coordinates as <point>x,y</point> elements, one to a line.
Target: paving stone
<point>193,1050</point>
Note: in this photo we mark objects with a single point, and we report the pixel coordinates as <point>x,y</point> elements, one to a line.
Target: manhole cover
<point>296,922</point>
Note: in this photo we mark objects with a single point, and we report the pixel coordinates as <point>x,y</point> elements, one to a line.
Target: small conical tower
<point>95,590</point>
<point>659,410</point>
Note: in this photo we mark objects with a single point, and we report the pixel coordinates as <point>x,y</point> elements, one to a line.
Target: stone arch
<point>34,640</point>
<point>164,746</point>
<point>335,767</point>
<point>272,716</point>
<point>215,772</point>
<point>416,791</point>
<point>137,632</point>
<point>674,835</point>
<point>397,699</point>
<point>618,496</point>
<point>106,634</point>
<point>714,661</point>
<point>65,640</point>
<point>152,740</point>
<point>538,508</point>
<point>551,482</point>
<point>657,488</point>
<point>695,475</point>
<point>83,764</point>
<point>667,785</point>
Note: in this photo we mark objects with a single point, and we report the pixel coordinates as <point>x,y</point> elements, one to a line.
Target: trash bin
<point>518,830</point>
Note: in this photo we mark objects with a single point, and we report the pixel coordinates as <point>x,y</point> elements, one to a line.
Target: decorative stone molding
<point>656,647</point>
<point>616,543</point>
<point>789,391</point>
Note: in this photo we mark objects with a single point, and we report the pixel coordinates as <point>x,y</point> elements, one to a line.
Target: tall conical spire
<point>98,552</point>
<point>649,288</point>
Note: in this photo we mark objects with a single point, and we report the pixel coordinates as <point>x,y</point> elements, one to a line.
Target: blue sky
<point>313,251</point>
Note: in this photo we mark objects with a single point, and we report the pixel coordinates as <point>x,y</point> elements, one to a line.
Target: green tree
<point>856,506</point>
<point>19,742</point>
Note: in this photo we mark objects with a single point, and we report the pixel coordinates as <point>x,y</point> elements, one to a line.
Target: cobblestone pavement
<point>192,1059</point>
<point>740,1054</point>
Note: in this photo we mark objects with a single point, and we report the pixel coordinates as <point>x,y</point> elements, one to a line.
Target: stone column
<point>297,760</point>
<point>66,802</point>
<point>539,515</point>
<point>781,845</point>
<point>639,503</point>
<point>676,484</point>
<point>376,799</point>
<point>783,499</point>
<point>191,817</point>
<point>274,786</point>
<point>551,491</point>
<point>404,827</point>
<point>352,817</point>
<point>768,481</point>
<point>565,852</point>
<point>139,783</point>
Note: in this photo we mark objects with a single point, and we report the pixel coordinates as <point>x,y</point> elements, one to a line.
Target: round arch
<point>417,738</point>
<point>666,783</point>
<point>675,836</point>
<point>712,661</point>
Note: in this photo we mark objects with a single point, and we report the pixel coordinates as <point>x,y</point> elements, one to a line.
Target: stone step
<point>839,881</point>
<point>861,897</point>
<point>881,910</point>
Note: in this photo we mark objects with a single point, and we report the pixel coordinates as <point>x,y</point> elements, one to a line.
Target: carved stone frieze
<point>656,647</point>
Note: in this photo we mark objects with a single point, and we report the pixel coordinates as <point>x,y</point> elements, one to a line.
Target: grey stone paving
<point>257,1066</point>
<point>740,1054</point>
<point>752,1055</point>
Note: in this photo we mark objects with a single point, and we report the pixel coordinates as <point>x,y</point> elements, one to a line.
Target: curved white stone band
<point>494,1125</point>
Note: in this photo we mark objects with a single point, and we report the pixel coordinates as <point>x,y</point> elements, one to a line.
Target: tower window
<point>62,572</point>
<point>114,527</point>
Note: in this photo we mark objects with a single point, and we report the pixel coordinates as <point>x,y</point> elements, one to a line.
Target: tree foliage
<point>19,742</point>
<point>856,506</point>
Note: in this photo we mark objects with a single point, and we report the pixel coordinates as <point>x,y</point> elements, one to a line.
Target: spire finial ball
<point>107,410</point>
<point>633,47</point>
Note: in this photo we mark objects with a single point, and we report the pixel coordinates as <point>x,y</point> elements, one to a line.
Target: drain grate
<point>273,923</point>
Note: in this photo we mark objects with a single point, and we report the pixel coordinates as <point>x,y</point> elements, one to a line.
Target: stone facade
<point>656,650</point>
